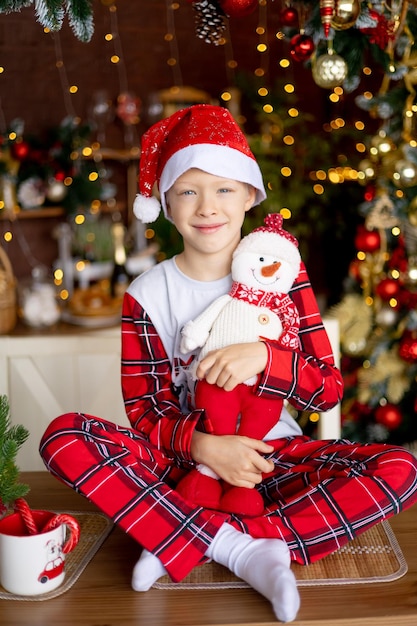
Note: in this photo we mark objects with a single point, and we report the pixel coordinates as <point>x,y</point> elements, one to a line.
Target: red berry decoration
<point>60,175</point>
<point>370,193</point>
<point>289,16</point>
<point>367,240</point>
<point>239,8</point>
<point>388,288</point>
<point>389,416</point>
<point>407,348</point>
<point>19,150</point>
<point>301,47</point>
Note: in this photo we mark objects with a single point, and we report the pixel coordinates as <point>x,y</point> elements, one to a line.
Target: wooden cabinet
<point>47,374</point>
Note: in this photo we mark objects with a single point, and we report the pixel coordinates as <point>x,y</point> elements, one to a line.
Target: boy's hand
<point>237,460</point>
<point>230,366</point>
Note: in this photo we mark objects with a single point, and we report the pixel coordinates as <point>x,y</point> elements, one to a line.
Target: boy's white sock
<point>263,563</point>
<point>147,571</point>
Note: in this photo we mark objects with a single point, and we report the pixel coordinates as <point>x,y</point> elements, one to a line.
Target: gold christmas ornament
<point>381,145</point>
<point>355,323</point>
<point>345,14</point>
<point>329,70</point>
<point>412,211</point>
<point>405,173</point>
<point>411,275</point>
<point>367,168</point>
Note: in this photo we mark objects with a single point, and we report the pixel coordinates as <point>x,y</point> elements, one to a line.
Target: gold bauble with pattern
<point>345,14</point>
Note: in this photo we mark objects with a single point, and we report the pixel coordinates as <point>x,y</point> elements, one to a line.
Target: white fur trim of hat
<point>200,136</point>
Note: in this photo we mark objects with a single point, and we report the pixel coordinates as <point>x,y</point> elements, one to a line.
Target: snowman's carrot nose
<point>269,270</point>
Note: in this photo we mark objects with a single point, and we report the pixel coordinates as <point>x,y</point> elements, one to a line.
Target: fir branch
<point>12,438</point>
<point>80,16</point>
<point>13,6</point>
<point>50,13</point>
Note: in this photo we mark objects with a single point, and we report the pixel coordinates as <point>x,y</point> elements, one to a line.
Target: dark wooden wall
<point>30,86</point>
<point>31,89</point>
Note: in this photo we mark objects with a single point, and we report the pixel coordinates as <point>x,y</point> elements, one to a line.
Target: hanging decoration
<point>301,47</point>
<point>289,16</point>
<point>209,20</point>
<point>238,8</point>
<point>345,14</point>
<point>327,8</point>
<point>329,70</point>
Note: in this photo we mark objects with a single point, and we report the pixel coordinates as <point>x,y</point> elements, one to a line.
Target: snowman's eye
<point>261,258</point>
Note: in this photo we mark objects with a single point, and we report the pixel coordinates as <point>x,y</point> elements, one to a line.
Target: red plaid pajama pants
<point>321,495</point>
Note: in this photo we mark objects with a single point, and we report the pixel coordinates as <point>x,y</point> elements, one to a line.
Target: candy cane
<point>71,523</point>
<point>22,507</point>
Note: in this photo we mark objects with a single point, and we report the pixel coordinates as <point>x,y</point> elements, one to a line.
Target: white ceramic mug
<point>31,564</point>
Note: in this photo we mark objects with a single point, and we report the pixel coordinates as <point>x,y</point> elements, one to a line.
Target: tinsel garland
<point>51,13</point>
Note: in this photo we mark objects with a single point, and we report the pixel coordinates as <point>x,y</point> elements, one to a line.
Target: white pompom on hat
<point>201,136</point>
<point>271,239</point>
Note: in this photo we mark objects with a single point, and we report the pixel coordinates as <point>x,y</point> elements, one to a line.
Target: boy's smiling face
<point>208,211</point>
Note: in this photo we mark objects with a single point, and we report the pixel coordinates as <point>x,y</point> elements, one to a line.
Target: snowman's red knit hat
<point>271,239</point>
<point>200,136</point>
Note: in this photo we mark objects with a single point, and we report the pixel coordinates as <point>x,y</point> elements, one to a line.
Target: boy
<point>318,495</point>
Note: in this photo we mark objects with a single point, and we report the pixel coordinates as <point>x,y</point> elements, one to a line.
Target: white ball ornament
<point>405,174</point>
<point>329,70</point>
<point>56,190</point>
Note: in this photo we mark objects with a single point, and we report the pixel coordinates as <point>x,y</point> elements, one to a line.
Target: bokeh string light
<point>67,89</point>
<point>171,38</point>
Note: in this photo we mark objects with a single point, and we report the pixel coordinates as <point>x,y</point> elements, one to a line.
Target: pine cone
<point>209,21</point>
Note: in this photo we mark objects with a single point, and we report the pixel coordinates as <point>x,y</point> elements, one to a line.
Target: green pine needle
<point>12,437</point>
<point>51,13</point>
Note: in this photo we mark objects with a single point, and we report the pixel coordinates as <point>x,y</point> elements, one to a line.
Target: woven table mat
<point>373,557</point>
<point>95,527</point>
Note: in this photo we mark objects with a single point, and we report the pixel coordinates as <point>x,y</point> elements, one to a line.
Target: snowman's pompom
<point>146,209</point>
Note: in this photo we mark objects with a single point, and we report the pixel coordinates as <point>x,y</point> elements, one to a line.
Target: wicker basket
<point>8,306</point>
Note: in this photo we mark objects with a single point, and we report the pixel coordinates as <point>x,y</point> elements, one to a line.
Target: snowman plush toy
<point>265,265</point>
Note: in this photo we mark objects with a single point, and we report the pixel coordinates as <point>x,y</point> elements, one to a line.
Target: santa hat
<point>201,136</point>
<point>272,239</point>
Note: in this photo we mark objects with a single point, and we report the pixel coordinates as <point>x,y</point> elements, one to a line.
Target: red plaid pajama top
<point>320,495</point>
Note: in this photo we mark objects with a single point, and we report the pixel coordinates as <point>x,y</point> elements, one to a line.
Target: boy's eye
<point>187,192</point>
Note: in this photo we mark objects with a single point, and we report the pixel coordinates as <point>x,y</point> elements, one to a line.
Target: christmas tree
<point>377,316</point>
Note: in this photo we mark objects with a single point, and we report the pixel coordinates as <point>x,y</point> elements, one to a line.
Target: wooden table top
<point>102,596</point>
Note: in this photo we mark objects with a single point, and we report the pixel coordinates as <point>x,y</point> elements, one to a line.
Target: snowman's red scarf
<point>279,303</point>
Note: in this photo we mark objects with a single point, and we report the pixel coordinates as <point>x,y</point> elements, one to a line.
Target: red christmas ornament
<point>19,150</point>
<point>60,175</point>
<point>389,416</point>
<point>301,47</point>
<point>367,240</point>
<point>370,193</point>
<point>289,16</point>
<point>239,8</point>
<point>354,270</point>
<point>408,299</point>
<point>327,8</point>
<point>388,288</point>
<point>408,346</point>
